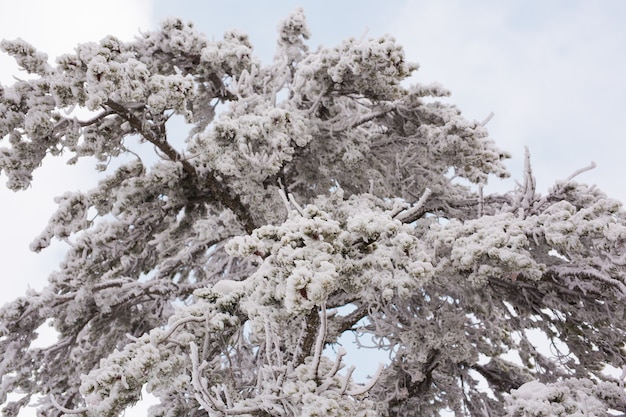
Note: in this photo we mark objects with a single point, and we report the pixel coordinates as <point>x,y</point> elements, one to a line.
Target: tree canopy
<point>314,196</point>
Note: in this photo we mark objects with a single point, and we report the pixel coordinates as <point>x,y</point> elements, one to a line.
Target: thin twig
<point>365,388</point>
<point>581,170</point>
<point>487,119</point>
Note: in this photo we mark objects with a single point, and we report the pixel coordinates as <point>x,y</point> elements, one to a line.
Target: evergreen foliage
<point>315,196</point>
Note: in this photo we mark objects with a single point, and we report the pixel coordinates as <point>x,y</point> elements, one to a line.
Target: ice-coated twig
<point>131,337</point>
<point>567,180</point>
<point>283,195</point>
<point>369,117</point>
<point>67,410</point>
<point>317,102</point>
<point>340,354</point>
<point>176,325</point>
<point>297,206</point>
<point>346,380</point>
<point>365,388</point>
<point>217,399</point>
<point>529,186</point>
<point>594,274</point>
<point>581,170</point>
<point>288,199</point>
<point>487,119</point>
<point>481,201</point>
<point>268,342</point>
<point>201,394</point>
<point>328,378</point>
<point>227,396</point>
<point>319,343</point>
<point>364,35</point>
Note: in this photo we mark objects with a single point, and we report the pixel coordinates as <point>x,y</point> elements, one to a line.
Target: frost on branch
<point>570,397</point>
<point>27,57</point>
<point>315,198</point>
<point>254,346</point>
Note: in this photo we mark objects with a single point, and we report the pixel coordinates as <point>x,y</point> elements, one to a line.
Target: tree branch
<point>195,193</point>
<point>312,322</point>
<point>67,410</point>
<point>161,143</point>
<point>415,212</point>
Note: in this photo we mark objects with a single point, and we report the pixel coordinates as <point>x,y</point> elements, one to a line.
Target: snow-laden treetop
<point>315,196</point>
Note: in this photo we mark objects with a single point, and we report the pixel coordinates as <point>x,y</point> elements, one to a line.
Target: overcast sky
<point>553,72</point>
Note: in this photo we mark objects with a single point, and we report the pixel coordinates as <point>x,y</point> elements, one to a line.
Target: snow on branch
<point>416,211</point>
<point>185,277</point>
<point>65,410</point>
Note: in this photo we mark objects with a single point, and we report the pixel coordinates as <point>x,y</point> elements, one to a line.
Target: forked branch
<point>216,190</point>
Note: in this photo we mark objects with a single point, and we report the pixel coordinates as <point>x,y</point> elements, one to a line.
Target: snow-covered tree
<point>315,196</point>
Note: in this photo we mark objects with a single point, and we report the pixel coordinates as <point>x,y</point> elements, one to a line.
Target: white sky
<point>552,72</point>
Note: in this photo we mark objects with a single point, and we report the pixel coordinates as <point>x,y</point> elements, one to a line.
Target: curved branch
<point>174,326</point>
<point>416,211</point>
